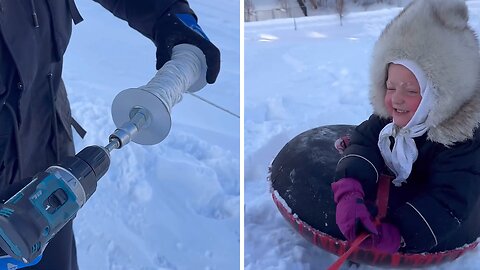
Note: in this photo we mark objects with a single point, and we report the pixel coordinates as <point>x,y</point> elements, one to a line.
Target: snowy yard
<point>296,80</point>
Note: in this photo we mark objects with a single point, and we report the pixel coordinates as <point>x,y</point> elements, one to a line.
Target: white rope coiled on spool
<point>184,73</point>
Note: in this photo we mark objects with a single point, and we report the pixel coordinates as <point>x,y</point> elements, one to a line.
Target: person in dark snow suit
<point>424,132</point>
<point>35,117</point>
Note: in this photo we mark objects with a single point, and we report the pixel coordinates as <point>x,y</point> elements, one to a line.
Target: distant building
<point>259,10</point>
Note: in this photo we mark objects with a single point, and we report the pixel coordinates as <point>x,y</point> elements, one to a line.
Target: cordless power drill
<point>32,217</point>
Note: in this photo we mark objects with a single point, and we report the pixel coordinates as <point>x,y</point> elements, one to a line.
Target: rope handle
<point>355,244</point>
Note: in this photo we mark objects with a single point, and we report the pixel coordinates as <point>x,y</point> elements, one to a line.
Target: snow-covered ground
<point>294,81</point>
<point>174,205</point>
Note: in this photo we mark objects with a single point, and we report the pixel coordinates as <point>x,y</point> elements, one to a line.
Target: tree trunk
<point>302,6</point>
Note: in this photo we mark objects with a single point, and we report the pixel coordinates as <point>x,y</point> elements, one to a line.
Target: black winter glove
<point>176,28</point>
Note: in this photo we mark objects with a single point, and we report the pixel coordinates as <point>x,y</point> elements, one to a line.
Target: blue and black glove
<point>7,262</point>
<point>177,26</point>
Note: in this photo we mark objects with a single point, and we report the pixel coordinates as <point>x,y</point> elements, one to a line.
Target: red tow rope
<point>355,244</point>
<point>382,204</point>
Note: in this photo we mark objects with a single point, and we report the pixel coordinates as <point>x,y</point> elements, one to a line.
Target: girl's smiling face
<point>403,94</point>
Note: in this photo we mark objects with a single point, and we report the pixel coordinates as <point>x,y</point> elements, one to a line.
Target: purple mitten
<point>351,211</point>
<point>387,240</point>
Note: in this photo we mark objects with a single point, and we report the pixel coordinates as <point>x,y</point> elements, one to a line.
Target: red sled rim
<point>369,257</point>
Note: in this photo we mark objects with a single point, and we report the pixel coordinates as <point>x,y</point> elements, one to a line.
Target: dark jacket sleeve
<point>362,159</point>
<point>452,192</point>
<point>142,15</point>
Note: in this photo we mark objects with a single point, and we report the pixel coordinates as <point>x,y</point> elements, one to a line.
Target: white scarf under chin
<point>401,157</point>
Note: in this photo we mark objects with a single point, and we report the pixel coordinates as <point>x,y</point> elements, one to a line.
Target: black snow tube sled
<point>300,177</point>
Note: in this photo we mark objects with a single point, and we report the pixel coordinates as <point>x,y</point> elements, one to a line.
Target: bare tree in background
<point>340,6</point>
<point>322,3</point>
<point>249,10</point>
<point>302,6</point>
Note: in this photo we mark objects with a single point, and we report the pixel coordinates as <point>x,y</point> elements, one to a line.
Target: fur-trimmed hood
<point>435,35</point>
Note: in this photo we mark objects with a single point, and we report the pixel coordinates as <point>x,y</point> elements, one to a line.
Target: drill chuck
<point>32,217</point>
<point>88,166</point>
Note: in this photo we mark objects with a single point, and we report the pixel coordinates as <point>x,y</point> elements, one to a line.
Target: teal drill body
<point>32,217</point>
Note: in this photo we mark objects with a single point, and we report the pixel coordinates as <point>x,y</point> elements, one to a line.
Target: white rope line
<point>362,157</point>
<point>428,225</point>
<point>215,105</point>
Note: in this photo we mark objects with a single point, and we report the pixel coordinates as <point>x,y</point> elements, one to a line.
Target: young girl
<point>424,133</point>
